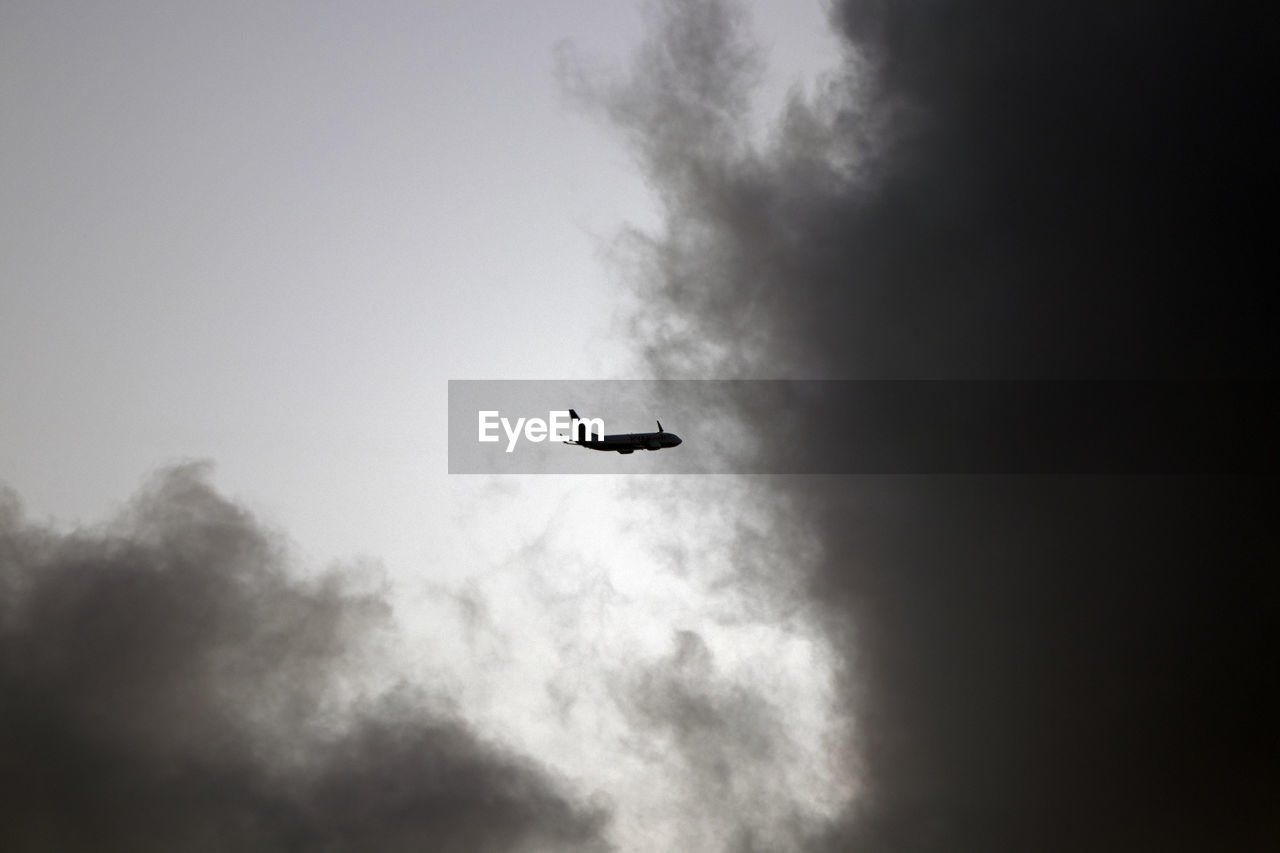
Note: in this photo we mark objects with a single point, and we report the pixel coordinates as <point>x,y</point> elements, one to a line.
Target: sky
<point>245,249</point>
<point>270,236</point>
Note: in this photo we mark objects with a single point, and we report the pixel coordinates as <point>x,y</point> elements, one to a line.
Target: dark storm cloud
<point>167,684</point>
<point>985,190</point>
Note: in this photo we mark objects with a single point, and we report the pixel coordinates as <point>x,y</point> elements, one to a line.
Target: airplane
<point>627,442</point>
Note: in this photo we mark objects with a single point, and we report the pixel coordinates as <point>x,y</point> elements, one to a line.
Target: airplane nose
<point>675,439</point>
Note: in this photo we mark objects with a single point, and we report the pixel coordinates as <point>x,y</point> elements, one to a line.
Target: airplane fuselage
<point>630,442</point>
<point>625,442</point>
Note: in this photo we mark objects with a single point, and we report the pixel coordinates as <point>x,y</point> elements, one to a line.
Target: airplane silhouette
<point>627,442</point>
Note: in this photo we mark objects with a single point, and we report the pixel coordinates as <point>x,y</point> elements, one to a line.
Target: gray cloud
<point>169,683</point>
<point>993,189</point>
<point>732,743</point>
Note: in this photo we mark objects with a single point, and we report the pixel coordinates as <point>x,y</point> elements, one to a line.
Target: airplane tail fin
<point>580,433</point>
<point>659,426</point>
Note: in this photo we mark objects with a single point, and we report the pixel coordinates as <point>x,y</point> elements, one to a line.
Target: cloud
<point>990,189</point>
<point>170,683</point>
<point>731,743</point>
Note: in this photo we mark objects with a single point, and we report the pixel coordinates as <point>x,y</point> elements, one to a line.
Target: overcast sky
<point>269,235</point>
<point>244,248</point>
